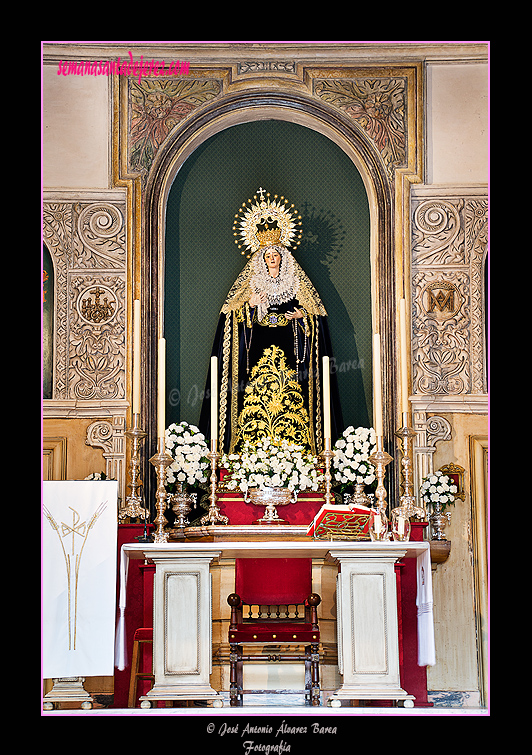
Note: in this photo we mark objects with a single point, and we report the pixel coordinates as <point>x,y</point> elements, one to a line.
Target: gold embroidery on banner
<point>273,402</point>
<point>81,529</point>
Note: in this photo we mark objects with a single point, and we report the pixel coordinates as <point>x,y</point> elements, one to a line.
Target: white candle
<point>377,524</point>
<point>161,388</point>
<point>377,385</point>
<point>326,399</point>
<point>401,526</point>
<point>404,358</point>
<point>214,398</point>
<point>136,356</point>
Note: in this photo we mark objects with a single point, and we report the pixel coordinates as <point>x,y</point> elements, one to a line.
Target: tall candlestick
<point>404,358</point>
<point>326,399</point>
<point>214,398</point>
<point>161,388</point>
<point>136,356</point>
<point>377,385</point>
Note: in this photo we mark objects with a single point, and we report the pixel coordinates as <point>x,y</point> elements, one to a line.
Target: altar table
<point>367,617</point>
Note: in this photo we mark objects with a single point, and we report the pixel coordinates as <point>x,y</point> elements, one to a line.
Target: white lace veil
<point>291,283</point>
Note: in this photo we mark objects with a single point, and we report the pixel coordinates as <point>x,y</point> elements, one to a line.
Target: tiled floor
<point>278,705</point>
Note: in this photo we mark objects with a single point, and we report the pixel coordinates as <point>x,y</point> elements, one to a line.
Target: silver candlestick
<point>408,500</point>
<point>160,461</point>
<point>380,459</point>
<point>134,507</point>
<point>214,516</point>
<point>327,455</point>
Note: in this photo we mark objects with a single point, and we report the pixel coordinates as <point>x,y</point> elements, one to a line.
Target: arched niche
<point>242,108</point>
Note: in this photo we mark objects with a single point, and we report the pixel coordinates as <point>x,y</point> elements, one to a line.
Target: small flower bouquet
<point>351,465</point>
<point>271,464</point>
<point>97,476</point>
<point>188,449</point>
<point>438,488</point>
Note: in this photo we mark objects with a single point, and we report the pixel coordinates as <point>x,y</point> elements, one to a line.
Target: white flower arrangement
<point>271,464</point>
<point>438,488</point>
<point>350,462</point>
<point>96,476</point>
<point>188,449</point>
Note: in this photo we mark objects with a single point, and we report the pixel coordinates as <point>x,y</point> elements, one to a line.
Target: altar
<point>271,435</point>
<point>367,612</point>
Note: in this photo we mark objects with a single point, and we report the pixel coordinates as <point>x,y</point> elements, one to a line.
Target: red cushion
<point>269,632</point>
<point>273,581</point>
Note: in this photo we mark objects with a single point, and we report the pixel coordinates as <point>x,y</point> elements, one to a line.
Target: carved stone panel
<point>378,105</point>
<point>86,240</point>
<point>155,107</point>
<point>449,239</point>
<point>96,368</point>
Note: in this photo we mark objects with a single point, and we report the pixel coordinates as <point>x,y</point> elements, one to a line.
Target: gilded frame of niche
<point>373,113</point>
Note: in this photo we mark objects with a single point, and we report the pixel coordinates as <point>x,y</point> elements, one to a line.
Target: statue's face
<point>272,258</point>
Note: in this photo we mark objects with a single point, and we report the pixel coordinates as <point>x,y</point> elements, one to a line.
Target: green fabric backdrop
<point>202,260</point>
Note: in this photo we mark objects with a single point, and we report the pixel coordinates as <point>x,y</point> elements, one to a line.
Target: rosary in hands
<point>261,298</point>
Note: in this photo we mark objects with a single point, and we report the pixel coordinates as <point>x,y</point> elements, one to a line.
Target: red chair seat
<point>270,632</point>
<point>274,582</point>
<point>144,634</point>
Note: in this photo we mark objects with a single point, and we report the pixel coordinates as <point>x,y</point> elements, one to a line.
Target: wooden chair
<point>273,604</point>
<point>141,637</point>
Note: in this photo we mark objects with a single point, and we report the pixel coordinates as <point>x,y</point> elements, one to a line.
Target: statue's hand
<point>297,313</point>
<point>256,299</point>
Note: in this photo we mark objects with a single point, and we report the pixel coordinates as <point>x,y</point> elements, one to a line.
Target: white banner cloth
<point>79,551</point>
<point>120,640</point>
<point>425,616</point>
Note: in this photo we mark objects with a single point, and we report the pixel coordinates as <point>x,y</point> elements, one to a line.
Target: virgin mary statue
<point>272,334</point>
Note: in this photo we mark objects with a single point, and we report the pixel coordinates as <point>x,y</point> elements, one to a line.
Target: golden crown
<point>266,221</point>
<point>269,237</point>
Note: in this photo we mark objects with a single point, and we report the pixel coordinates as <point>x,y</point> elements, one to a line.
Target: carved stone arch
<point>242,107</point>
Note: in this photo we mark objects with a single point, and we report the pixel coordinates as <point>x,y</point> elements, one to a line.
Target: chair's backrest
<point>273,581</point>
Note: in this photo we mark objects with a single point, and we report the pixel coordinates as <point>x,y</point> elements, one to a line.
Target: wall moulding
<point>266,54</point>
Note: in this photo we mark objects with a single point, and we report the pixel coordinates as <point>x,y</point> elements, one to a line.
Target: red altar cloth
<point>139,613</point>
<point>413,677</point>
<point>231,503</point>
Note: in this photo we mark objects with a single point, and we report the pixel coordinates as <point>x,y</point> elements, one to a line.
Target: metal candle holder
<point>213,516</point>
<point>380,459</point>
<point>160,461</point>
<point>327,455</point>
<point>134,507</point>
<point>408,500</point>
